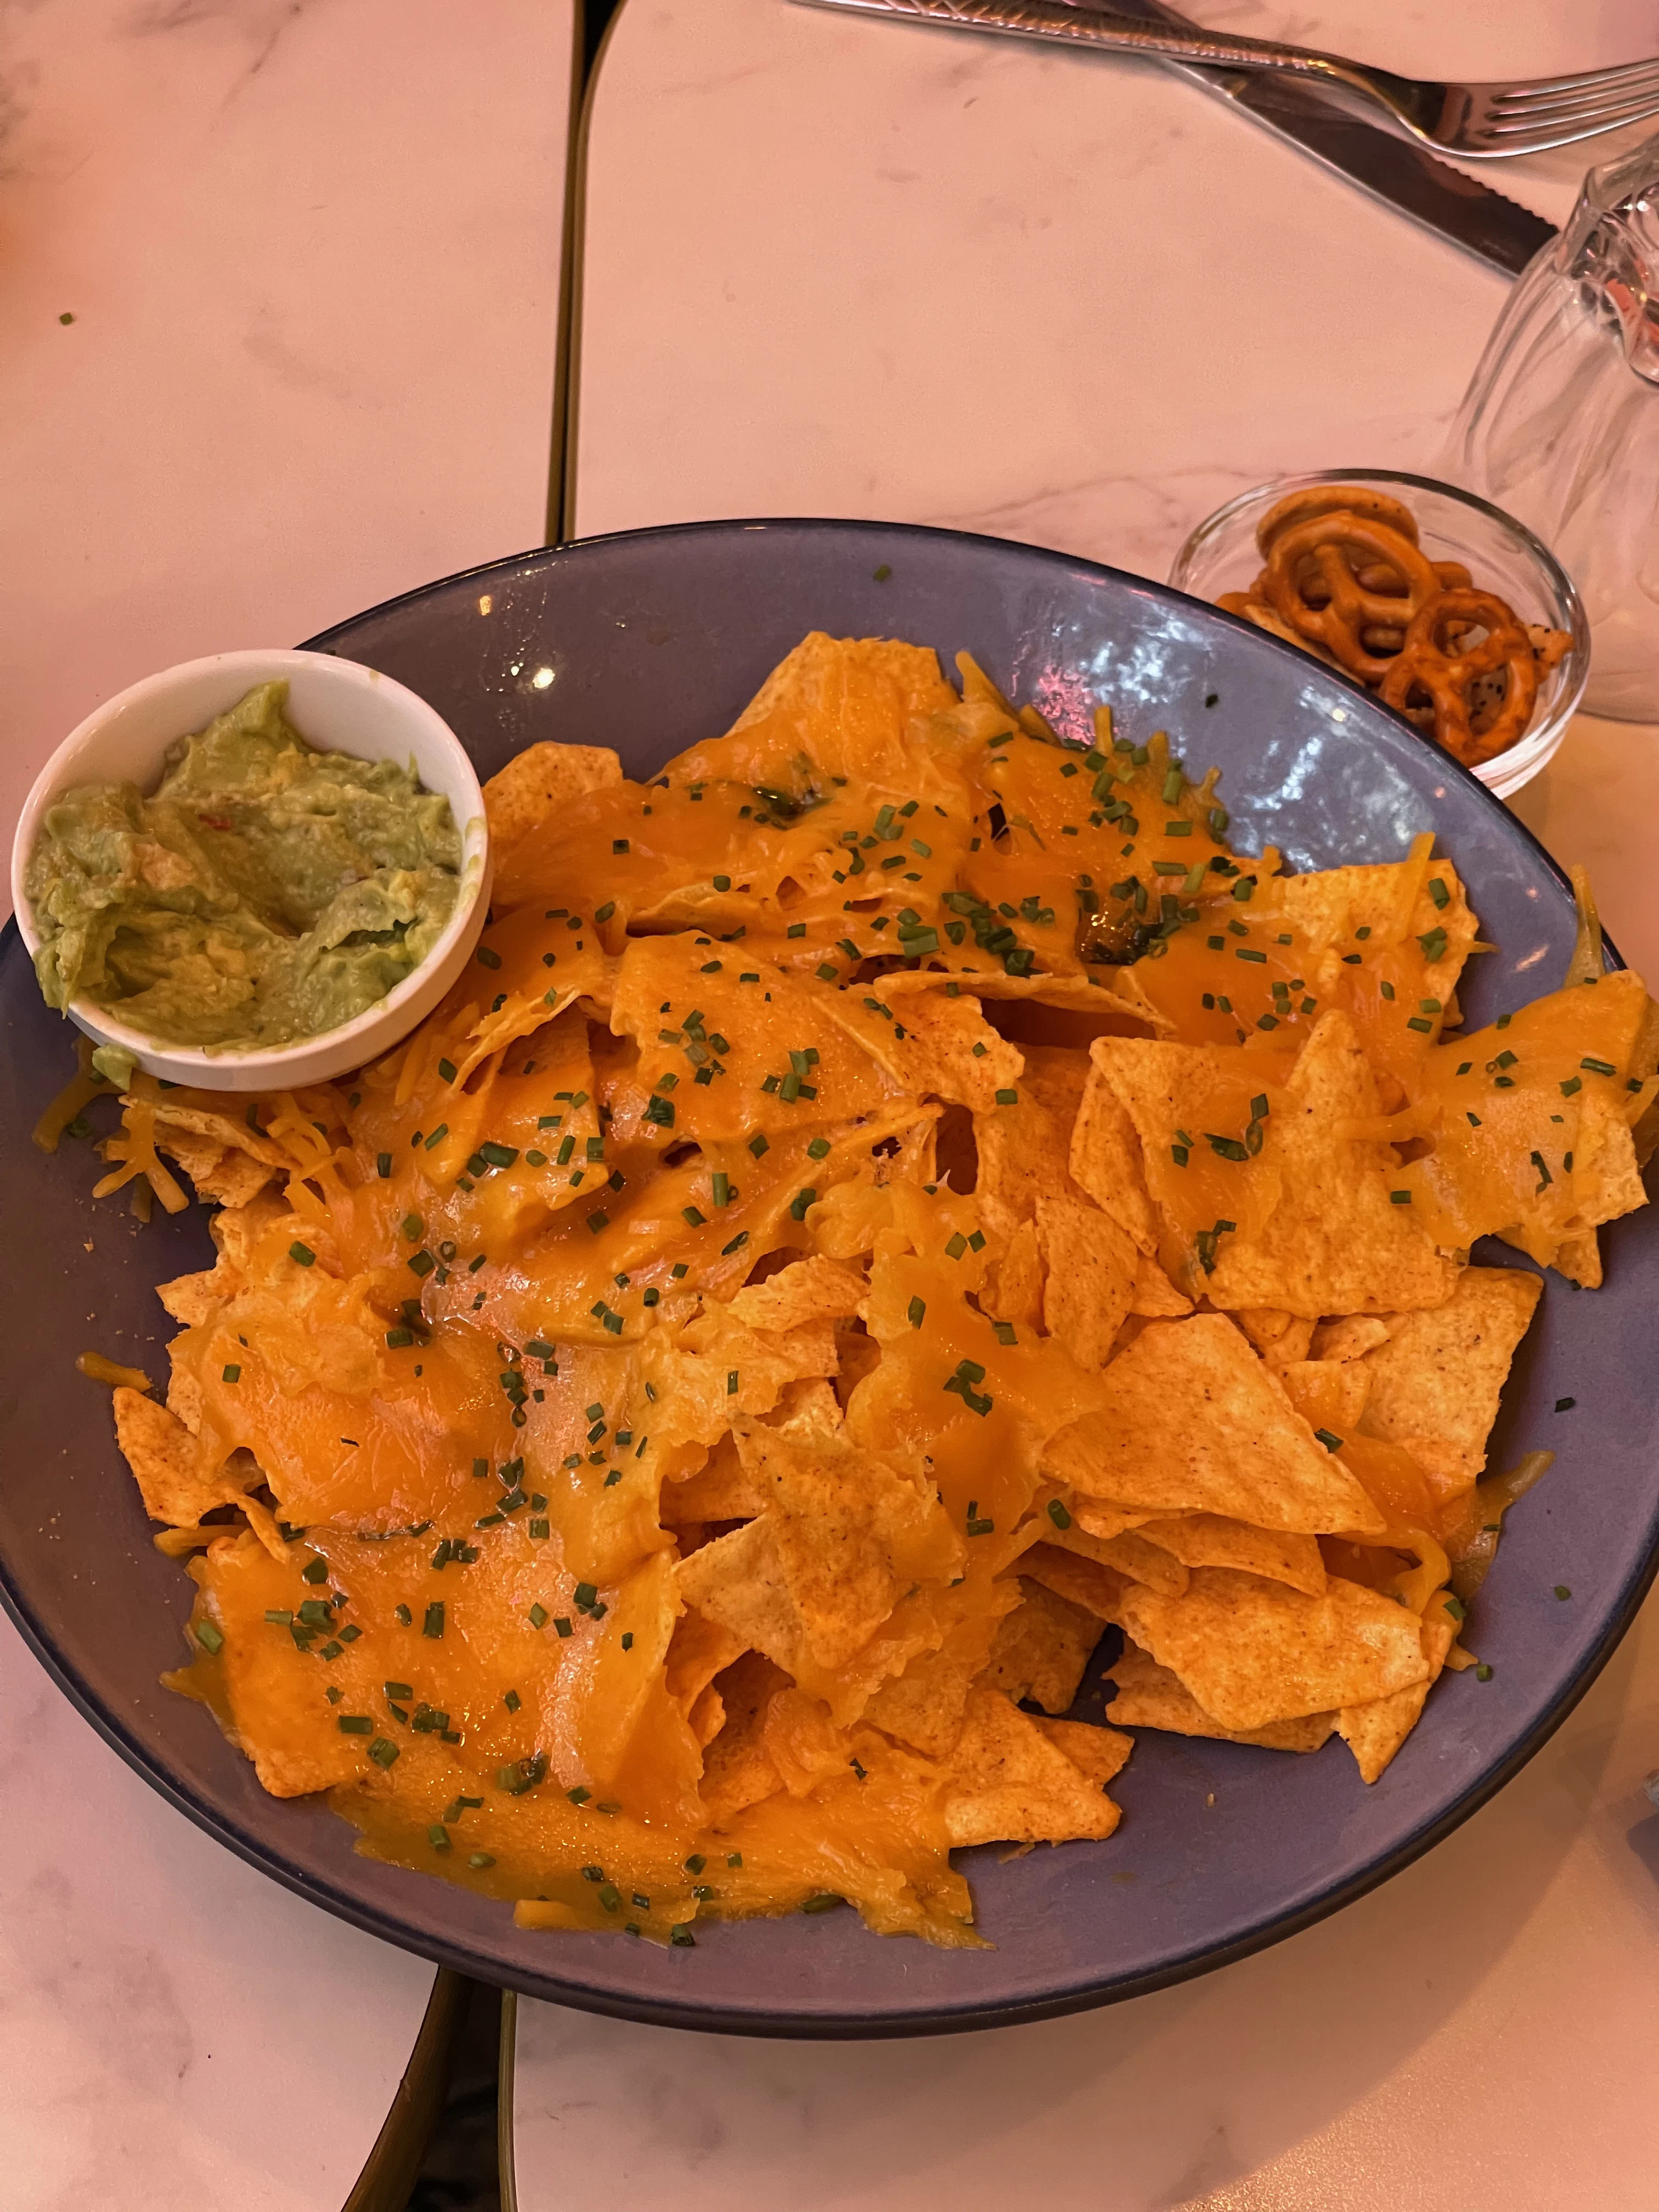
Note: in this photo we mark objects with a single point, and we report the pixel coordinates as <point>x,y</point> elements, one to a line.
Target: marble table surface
<point>834,267</point>
<point>281,287</point>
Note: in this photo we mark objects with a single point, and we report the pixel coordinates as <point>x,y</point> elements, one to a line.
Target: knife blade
<point>1391,169</point>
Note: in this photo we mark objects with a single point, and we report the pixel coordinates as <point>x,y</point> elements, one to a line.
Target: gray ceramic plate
<point>647,642</point>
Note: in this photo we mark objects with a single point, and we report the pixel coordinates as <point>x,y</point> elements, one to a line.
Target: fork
<point>1478,121</point>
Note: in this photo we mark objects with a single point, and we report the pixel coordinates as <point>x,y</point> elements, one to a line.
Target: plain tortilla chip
<point>1098,1754</point>
<point>1155,1295</point>
<point>1150,1696</point>
<point>1129,1552</point>
<point>533,791</point>
<point>1042,1648</point>
<point>1435,1383</point>
<point>1193,1422</point>
<point>1085,1582</point>
<point>1374,1732</point>
<point>1253,1651</point>
<point>1090,1270</point>
<point>739,1582</point>
<point>177,1477</point>
<point>1107,1162</point>
<point>1207,1539</point>
<point>1008,1783</point>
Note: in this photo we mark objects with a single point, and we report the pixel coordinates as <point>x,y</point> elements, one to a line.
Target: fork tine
<point>1635,101</point>
<point>1549,87</point>
<point>1539,137</point>
<point>1571,94</point>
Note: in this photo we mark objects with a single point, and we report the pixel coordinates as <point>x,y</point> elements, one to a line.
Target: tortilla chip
<point>1023,1149</point>
<point>1193,1422</point>
<point>1328,1394</point>
<point>1329,905</point>
<point>1013,1291</point>
<point>936,1056</point>
<point>690,1375</point>
<point>705,1716</point>
<point>536,785</point>
<point>737,1769</point>
<point>177,1477</point>
<point>808,1406</point>
<point>1150,1696</point>
<point>802,1742</point>
<point>1154,1295</point>
<point>739,1582</point>
<point>850,1533</point>
<point>1350,1337</point>
<point>1333,1242</point>
<point>1042,1648</point>
<point>1435,1383</point>
<point>223,1175</point>
<point>1373,1732</point>
<point>1129,1552</point>
<point>1207,1539</point>
<point>194,1300</point>
<point>1579,1259</point>
<point>1083,1582</point>
<point>1008,1783</point>
<point>847,705</point>
<point>698,1649</point>
<point>813,1290</point>
<point>1252,1651</point>
<point>924,1705</point>
<point>1107,1162</point>
<point>1098,1754</point>
<point>1090,1267</point>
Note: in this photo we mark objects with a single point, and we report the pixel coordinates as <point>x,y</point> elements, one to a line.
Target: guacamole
<point>263,893</point>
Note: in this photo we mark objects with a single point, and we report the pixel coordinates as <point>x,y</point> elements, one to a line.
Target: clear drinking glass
<point>1560,426</point>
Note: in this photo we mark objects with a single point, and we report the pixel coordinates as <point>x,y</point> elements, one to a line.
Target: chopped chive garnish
<point>302,1255</point>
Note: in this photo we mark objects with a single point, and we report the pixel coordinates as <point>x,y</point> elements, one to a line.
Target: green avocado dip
<point>263,893</point>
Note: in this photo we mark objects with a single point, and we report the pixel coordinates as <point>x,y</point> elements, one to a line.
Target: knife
<point>1392,169</point>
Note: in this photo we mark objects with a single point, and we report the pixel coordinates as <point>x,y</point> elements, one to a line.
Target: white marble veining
<point>177,2033</point>
<point>311,248</point>
<point>842,268</point>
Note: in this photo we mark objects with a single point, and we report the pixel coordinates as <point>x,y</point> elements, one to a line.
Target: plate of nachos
<point>987,1357</point>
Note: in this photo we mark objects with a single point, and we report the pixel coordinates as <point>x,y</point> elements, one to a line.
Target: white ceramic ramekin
<point>337,706</point>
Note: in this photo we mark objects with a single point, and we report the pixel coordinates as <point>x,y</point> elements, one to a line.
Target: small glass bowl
<point>1500,554</point>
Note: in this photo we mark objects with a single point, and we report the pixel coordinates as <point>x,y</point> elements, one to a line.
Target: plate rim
<point>690,2014</point>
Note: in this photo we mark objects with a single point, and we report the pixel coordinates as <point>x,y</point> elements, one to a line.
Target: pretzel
<point>1334,499</point>
<point>1344,607</point>
<point>1452,674</point>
